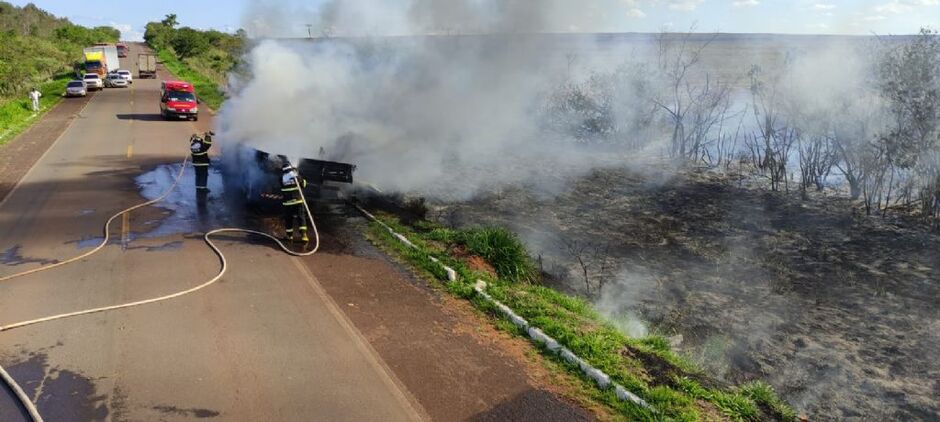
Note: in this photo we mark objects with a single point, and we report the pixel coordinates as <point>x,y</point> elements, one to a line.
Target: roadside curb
<point>602,380</point>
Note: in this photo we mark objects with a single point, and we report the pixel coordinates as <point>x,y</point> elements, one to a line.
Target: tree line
<point>35,46</point>
<point>209,52</point>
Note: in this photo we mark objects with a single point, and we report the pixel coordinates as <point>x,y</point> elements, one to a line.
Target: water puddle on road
<point>60,394</point>
<point>86,242</point>
<point>188,211</point>
<point>13,257</point>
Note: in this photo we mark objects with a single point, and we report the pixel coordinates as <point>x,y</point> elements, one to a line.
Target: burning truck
<point>256,176</point>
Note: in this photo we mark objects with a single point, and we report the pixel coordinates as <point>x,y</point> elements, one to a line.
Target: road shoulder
<point>448,356</point>
<point>19,155</point>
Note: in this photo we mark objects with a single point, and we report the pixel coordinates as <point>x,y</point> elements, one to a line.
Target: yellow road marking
<point>125,228</point>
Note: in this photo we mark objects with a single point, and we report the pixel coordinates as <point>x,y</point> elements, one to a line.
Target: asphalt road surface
<point>266,343</point>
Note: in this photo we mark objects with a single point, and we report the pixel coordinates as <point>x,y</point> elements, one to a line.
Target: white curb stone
<point>602,379</point>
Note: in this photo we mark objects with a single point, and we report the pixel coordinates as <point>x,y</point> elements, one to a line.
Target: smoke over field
<point>417,108</point>
<point>712,188</point>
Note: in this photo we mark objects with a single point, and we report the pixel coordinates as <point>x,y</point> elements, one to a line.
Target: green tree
<point>158,35</point>
<point>170,21</point>
<point>189,42</point>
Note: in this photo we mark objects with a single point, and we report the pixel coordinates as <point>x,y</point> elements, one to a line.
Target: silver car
<point>126,74</point>
<point>116,81</point>
<point>76,88</point>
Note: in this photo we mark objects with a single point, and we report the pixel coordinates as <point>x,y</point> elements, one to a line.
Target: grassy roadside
<point>16,115</point>
<point>207,90</point>
<point>646,366</point>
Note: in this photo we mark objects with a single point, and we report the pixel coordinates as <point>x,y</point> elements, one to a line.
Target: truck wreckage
<point>256,176</point>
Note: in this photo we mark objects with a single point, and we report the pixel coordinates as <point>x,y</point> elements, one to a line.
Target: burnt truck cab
<point>256,175</point>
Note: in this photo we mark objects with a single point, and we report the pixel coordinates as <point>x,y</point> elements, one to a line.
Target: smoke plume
<point>438,115</point>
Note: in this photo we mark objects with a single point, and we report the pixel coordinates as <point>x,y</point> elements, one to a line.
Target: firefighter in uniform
<point>294,213</point>
<point>200,149</point>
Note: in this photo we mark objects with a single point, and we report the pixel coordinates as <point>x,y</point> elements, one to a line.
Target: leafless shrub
<point>695,104</point>
<point>591,259</point>
<point>773,139</point>
<point>817,156</point>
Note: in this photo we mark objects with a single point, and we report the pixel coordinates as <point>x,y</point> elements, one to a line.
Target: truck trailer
<point>101,59</point>
<point>146,66</point>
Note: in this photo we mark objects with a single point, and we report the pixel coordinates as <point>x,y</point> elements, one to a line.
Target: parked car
<point>93,81</point>
<point>126,74</point>
<point>76,88</point>
<point>115,80</point>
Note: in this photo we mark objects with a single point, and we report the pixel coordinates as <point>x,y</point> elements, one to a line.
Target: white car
<point>93,81</point>
<point>116,81</point>
<point>126,74</point>
<point>76,88</point>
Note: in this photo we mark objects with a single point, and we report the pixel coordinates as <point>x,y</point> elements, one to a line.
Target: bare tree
<point>773,140</point>
<point>853,133</point>
<point>591,259</point>
<point>694,102</point>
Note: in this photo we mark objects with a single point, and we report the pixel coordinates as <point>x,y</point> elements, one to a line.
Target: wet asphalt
<point>265,343</point>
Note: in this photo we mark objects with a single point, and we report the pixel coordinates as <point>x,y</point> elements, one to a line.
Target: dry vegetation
<point>783,234</point>
<point>835,309</point>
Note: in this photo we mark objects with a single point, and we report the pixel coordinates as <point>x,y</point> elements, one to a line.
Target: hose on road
<point>18,391</point>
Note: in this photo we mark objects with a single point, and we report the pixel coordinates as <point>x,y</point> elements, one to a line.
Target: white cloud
<point>128,32</point>
<point>904,6</point>
<point>745,3</point>
<point>823,6</point>
<point>685,5</point>
<point>636,13</point>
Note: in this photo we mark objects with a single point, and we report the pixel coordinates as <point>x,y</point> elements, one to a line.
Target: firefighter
<point>200,149</point>
<point>294,213</point>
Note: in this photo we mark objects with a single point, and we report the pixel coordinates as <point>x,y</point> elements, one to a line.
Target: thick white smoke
<point>438,115</point>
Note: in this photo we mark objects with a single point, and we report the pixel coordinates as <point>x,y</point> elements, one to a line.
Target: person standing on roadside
<point>34,95</point>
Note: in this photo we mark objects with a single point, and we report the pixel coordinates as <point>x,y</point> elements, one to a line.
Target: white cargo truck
<point>101,59</point>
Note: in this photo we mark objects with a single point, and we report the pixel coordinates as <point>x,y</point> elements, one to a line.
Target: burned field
<point>837,310</point>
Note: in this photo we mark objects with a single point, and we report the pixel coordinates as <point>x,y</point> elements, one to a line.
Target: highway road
<point>266,343</point>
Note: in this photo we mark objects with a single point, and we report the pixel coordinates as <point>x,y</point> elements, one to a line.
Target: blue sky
<point>777,16</point>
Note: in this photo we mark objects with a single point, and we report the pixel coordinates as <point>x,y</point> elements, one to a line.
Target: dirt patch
<point>660,371</point>
<point>476,263</point>
<point>836,310</point>
<point>473,262</point>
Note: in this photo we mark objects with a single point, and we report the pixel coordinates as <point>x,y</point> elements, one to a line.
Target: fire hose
<point>15,387</point>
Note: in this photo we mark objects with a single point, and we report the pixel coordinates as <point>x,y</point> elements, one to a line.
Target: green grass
<point>502,249</point>
<point>16,115</point>
<point>764,394</point>
<point>668,385</point>
<point>206,89</point>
